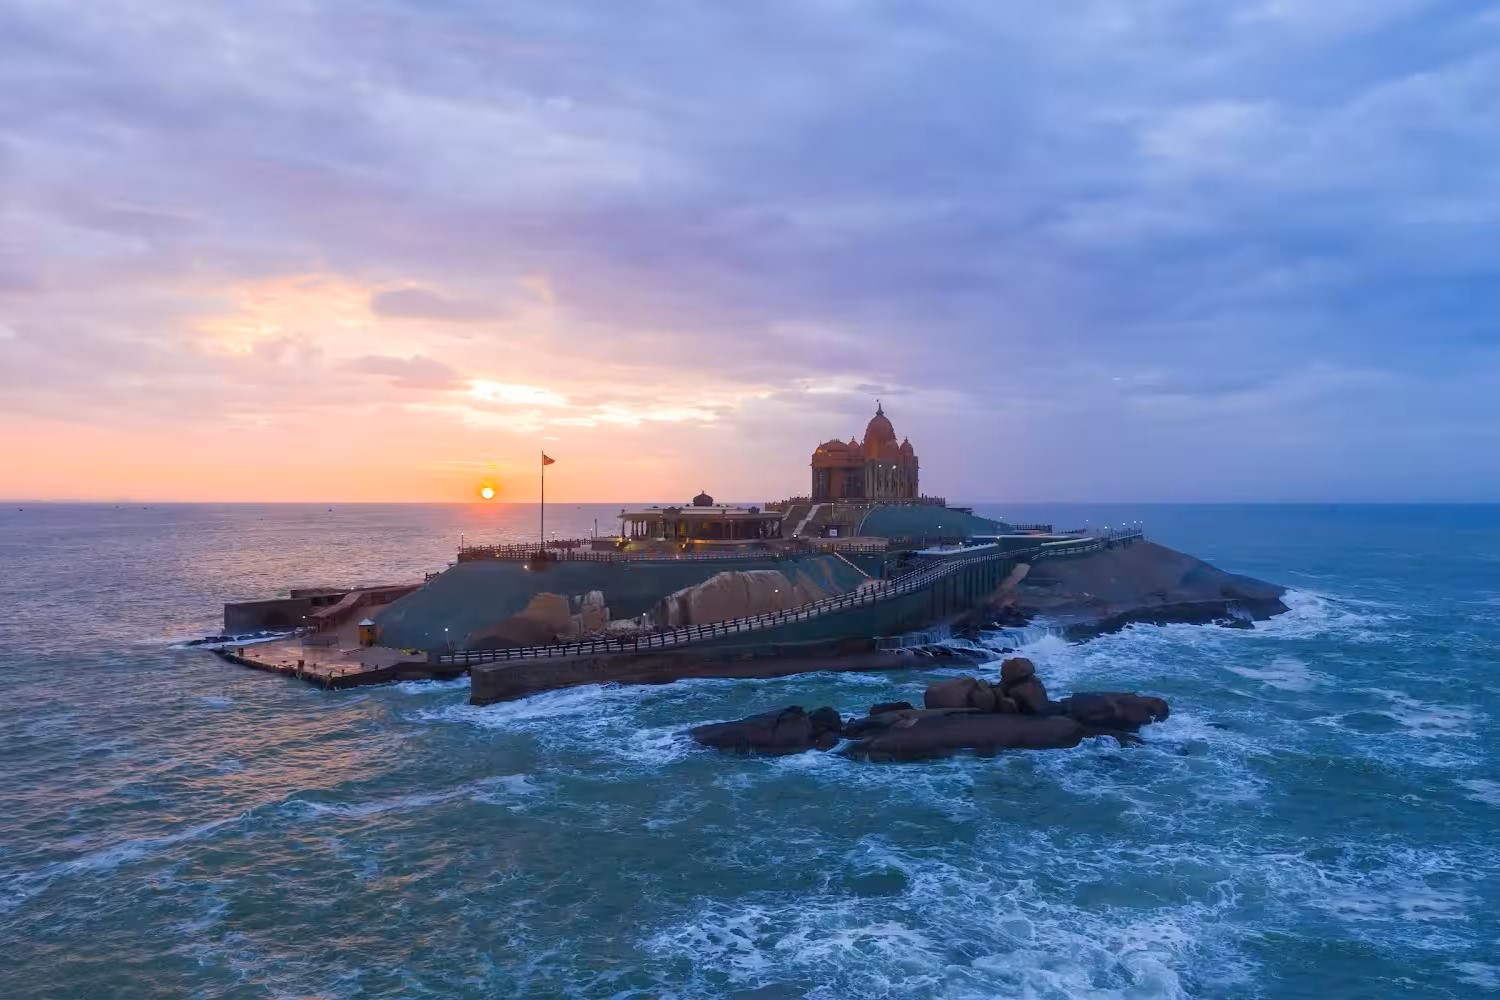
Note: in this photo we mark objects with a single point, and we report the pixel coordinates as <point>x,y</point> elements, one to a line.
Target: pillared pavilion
<point>876,468</point>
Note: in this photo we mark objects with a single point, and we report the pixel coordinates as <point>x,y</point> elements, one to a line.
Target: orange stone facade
<point>876,469</point>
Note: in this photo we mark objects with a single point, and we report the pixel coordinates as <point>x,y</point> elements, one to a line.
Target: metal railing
<point>670,638</point>
<point>774,548</point>
<point>530,553</point>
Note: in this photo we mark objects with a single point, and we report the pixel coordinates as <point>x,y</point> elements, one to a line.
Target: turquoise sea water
<point>1319,818</point>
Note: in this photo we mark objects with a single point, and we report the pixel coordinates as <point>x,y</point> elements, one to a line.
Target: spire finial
<point>878,411</point>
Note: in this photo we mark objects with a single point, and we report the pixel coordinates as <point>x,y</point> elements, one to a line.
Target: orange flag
<point>546,460</point>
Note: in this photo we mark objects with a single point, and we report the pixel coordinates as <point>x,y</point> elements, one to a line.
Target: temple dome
<point>878,431</point>
<point>703,500</point>
<point>906,448</point>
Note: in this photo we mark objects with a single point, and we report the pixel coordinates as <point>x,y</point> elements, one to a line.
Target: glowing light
<point>488,492</point>
<point>487,391</point>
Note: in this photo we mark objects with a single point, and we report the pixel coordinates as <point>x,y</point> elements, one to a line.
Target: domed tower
<point>874,469</point>
<point>703,500</point>
<point>878,432</point>
<point>890,469</point>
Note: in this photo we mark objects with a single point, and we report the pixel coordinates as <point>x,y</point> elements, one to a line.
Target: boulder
<point>827,726</point>
<point>890,706</point>
<point>955,693</point>
<point>594,613</point>
<point>540,622</point>
<point>783,731</point>
<point>984,697</point>
<point>943,734</point>
<point>1029,695</point>
<point>734,594</point>
<point>1114,709</point>
<point>879,722</point>
<point>1015,670</point>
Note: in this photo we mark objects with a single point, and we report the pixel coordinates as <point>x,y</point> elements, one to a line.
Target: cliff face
<point>1139,582</point>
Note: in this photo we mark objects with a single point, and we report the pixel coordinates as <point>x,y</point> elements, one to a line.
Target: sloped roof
<point>920,521</point>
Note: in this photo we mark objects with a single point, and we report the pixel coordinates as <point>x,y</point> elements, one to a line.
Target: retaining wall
<point>476,595</point>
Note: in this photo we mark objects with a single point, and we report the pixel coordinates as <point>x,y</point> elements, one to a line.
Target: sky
<point>1165,250</point>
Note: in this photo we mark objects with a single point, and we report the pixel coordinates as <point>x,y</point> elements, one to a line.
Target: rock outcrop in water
<point>960,714</point>
<point>1139,582</point>
<point>787,730</point>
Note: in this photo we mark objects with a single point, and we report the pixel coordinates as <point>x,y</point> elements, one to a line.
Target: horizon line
<point>79,501</point>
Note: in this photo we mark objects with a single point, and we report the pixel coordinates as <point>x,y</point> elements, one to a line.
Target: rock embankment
<point>961,714</point>
<point>1139,582</point>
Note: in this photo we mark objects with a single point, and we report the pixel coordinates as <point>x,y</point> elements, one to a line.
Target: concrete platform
<point>343,663</point>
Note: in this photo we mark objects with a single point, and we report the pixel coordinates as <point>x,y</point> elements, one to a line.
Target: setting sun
<point>488,492</point>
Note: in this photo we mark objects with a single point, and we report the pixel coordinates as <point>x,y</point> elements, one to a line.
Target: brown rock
<point>1016,669</point>
<point>943,735</point>
<point>786,730</point>
<point>1030,695</point>
<point>544,617</point>
<point>1115,709</point>
<point>955,693</point>
<point>890,706</point>
<point>826,720</point>
<point>984,697</point>
<point>905,717</point>
<point>594,614</point>
<point>734,594</point>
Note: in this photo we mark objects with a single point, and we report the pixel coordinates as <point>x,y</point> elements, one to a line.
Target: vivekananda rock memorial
<point>827,581</point>
<point>876,468</point>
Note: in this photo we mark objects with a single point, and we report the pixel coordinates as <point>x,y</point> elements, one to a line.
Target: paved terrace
<point>333,658</point>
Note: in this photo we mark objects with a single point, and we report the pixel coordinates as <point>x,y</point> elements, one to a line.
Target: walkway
<point>914,582</point>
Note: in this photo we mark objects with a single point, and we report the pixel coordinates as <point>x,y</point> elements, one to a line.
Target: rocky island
<point>958,715</point>
<point>1143,583</point>
<point>829,581</point>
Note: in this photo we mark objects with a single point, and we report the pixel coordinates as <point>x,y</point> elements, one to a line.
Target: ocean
<point>1320,817</point>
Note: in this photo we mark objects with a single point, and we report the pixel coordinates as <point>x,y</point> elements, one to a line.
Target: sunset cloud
<point>415,372</point>
<point>1241,241</point>
<point>422,303</point>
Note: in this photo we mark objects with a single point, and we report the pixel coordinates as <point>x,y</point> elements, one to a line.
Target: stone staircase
<point>807,519</point>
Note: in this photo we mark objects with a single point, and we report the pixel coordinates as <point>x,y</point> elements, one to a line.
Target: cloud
<point>1016,223</point>
<point>409,373</point>
<point>420,303</point>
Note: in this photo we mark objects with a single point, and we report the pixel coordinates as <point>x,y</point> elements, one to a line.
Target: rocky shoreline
<point>1144,583</point>
<point>962,714</point>
<point>1081,598</point>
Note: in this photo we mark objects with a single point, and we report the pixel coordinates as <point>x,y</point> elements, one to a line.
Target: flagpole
<point>543,525</point>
